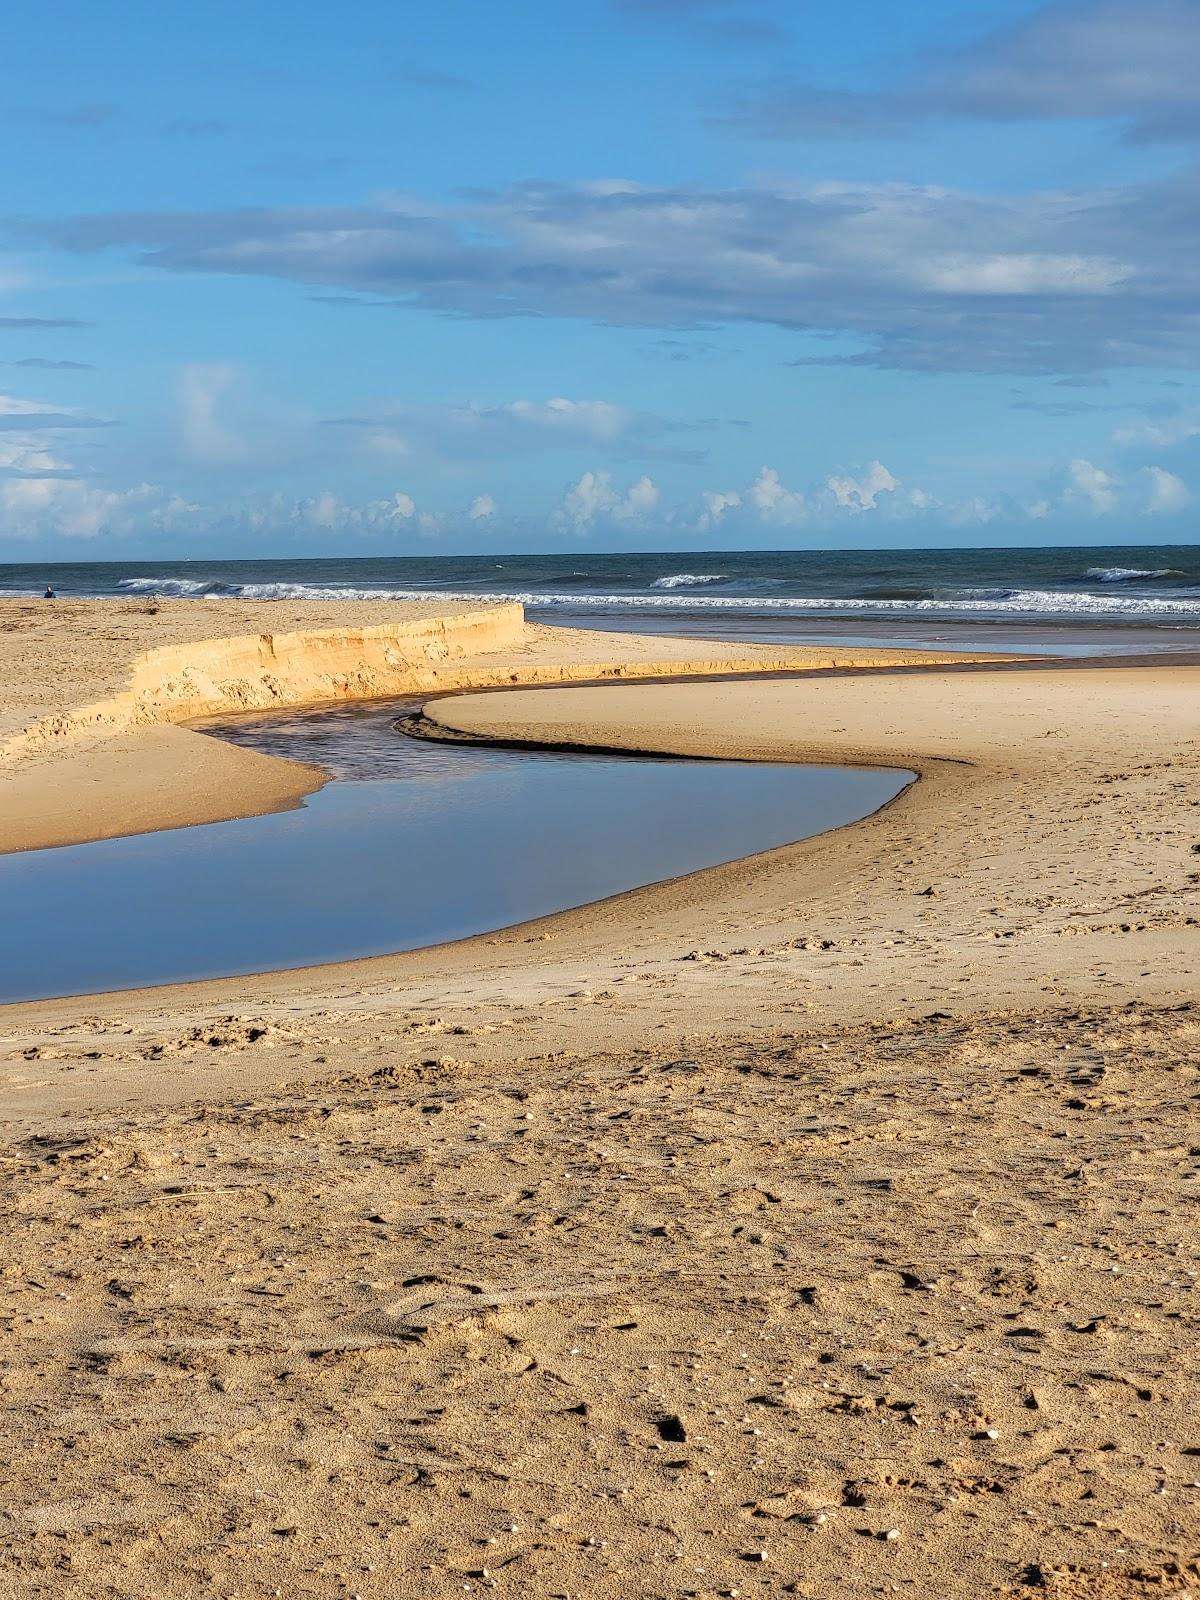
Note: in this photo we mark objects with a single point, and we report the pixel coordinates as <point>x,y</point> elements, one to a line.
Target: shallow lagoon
<point>412,844</point>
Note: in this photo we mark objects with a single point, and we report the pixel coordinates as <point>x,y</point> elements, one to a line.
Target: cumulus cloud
<point>838,495</point>
<point>73,508</point>
<point>919,278</point>
<point>1136,62</point>
<point>861,494</point>
<point>481,508</point>
<point>1091,487</point>
<point>716,503</point>
<point>327,511</point>
<point>875,493</point>
<point>773,502</point>
<point>1166,491</point>
<point>592,499</point>
<point>61,505</point>
<point>1095,491</point>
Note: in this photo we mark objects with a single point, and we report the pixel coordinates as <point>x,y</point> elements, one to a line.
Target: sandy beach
<point>822,1223</point>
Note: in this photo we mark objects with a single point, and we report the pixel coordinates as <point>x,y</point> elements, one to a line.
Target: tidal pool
<point>411,843</point>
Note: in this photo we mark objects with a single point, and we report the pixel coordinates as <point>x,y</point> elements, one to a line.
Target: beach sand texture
<point>818,1224</point>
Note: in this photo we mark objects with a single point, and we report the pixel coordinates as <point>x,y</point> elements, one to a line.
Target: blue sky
<point>657,273</point>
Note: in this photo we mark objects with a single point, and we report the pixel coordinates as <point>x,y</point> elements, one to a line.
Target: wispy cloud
<point>33,324</point>
<point>724,21</point>
<point>19,415</point>
<point>1133,62</point>
<point>917,278</point>
<point>438,82</point>
<point>480,432</point>
<point>96,115</point>
<point>21,421</point>
<point>203,432</point>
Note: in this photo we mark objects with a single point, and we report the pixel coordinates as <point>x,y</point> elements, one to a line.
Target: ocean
<point>1115,597</point>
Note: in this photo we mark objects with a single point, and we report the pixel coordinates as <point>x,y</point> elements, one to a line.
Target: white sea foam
<point>1129,574</point>
<point>179,588</point>
<point>687,580</point>
<point>966,602</point>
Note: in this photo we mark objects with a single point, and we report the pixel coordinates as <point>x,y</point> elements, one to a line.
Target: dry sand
<point>820,1224</point>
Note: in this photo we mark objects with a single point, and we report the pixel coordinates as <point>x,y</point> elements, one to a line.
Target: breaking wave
<point>947,603</point>
<point>1130,574</point>
<point>182,588</point>
<point>687,580</point>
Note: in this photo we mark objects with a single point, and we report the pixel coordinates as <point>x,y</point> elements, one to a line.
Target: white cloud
<point>593,499</point>
<point>42,495</point>
<point>1161,434</point>
<point>28,453</point>
<point>1127,61</point>
<point>716,503</point>
<point>481,508</point>
<point>593,419</point>
<point>918,277</point>
<point>398,509</point>
<point>976,511</point>
<point>1166,491</point>
<point>322,510</point>
<point>774,502</point>
<point>875,492</point>
<point>388,442</point>
<point>639,502</point>
<point>12,406</point>
<point>861,494</point>
<point>204,436</point>
<point>325,510</point>
<point>1020,274</point>
<point>480,432</point>
<point>1092,487</point>
<point>73,508</point>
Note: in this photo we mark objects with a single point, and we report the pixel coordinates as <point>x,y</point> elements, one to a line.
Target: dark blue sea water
<point>1157,585</point>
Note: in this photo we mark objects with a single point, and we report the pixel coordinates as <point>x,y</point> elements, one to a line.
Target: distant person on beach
<point>49,594</point>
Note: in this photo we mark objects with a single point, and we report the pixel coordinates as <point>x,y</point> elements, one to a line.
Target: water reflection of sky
<point>448,841</point>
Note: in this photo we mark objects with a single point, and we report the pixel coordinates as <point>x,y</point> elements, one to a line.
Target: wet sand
<point>818,1224</point>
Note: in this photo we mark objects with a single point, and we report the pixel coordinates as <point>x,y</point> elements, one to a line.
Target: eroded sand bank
<point>81,682</point>
<point>689,1243</point>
